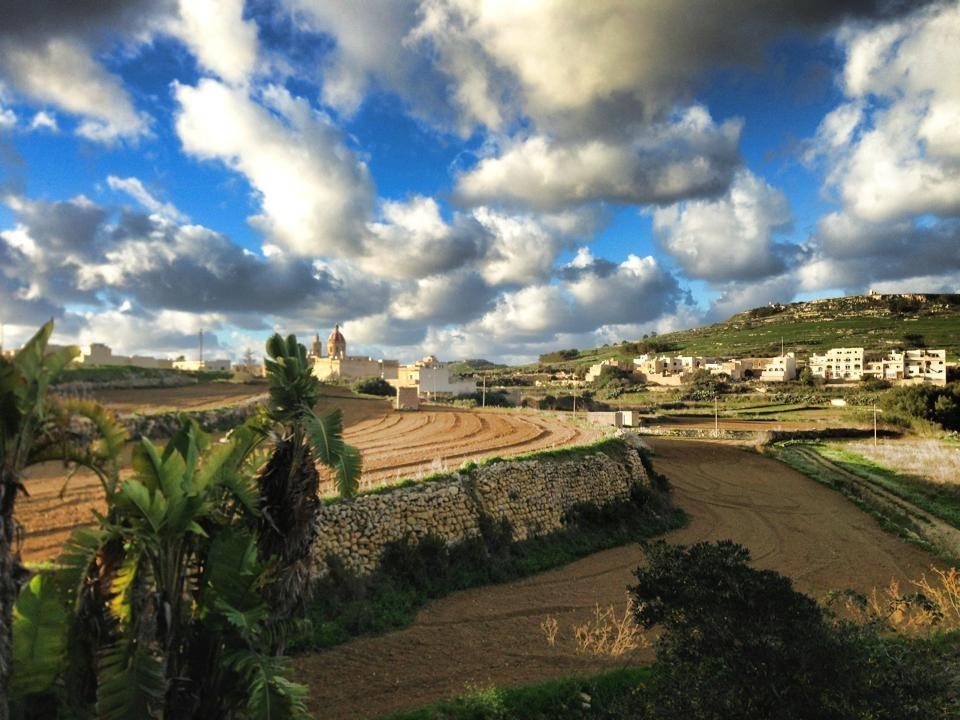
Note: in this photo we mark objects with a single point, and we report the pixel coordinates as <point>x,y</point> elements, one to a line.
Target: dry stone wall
<point>534,495</point>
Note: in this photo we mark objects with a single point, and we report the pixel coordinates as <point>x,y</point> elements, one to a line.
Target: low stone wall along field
<point>534,495</point>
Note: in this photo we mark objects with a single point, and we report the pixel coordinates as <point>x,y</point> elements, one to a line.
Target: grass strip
<point>940,500</point>
<point>577,698</point>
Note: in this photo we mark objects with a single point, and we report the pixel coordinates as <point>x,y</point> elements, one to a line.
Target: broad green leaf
<point>152,506</point>
<point>39,636</point>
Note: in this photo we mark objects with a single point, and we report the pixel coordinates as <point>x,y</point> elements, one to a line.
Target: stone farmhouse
<point>854,364</point>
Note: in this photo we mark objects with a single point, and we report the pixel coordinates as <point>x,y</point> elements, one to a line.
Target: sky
<point>466,178</point>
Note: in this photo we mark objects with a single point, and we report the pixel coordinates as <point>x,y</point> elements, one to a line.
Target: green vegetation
<point>114,373</point>
<point>494,398</point>
<point>468,367</point>
<point>940,405</point>
<point>29,427</point>
<point>179,602</point>
<point>374,386</point>
<point>870,321</point>
<point>609,695</point>
<point>742,643</point>
<point>560,356</point>
<point>411,573</point>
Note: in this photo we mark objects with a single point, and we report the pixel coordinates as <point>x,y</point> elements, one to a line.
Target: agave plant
<point>183,630</point>
<point>289,483</point>
<point>25,436</point>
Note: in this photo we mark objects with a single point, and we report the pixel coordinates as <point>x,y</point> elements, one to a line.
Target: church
<point>336,365</point>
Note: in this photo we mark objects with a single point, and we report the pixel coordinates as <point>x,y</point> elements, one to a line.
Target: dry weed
<point>609,633</point>
<point>550,628</point>
<point>933,604</point>
<point>931,459</point>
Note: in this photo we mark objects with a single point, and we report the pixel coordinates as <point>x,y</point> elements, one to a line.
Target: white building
<point>431,377</point>
<point>852,364</point>
<point>778,369</point>
<point>220,365</point>
<point>838,364</point>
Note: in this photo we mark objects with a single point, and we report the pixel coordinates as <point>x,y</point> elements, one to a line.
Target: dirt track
<point>491,636</point>
<point>393,445</point>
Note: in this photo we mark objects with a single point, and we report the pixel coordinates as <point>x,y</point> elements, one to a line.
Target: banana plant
<point>289,482</point>
<point>184,629</point>
<point>25,430</point>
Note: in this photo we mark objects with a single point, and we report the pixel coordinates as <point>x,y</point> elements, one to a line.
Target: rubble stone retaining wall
<point>534,495</point>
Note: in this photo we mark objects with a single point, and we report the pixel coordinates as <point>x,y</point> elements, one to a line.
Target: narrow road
<point>492,636</point>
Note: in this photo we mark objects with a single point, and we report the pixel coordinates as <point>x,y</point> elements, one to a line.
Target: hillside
<point>870,321</point>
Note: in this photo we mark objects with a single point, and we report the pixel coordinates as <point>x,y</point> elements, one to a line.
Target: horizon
<point>462,178</point>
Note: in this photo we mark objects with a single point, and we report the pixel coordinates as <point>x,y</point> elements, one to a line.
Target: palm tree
<point>26,434</point>
<point>184,630</point>
<point>289,483</point>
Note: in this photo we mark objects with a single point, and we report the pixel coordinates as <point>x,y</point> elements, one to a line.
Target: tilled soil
<point>393,445</point>
<point>492,635</point>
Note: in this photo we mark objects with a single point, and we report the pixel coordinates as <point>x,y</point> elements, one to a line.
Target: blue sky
<point>466,178</point>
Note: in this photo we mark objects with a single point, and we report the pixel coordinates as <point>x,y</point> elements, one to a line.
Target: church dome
<point>336,344</point>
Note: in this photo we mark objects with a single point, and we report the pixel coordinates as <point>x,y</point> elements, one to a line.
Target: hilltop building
<point>337,365</point>
<point>855,364</point>
<point>431,378</point>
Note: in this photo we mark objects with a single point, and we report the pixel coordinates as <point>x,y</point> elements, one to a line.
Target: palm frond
<point>347,469</point>
<point>270,696</point>
<point>132,683</point>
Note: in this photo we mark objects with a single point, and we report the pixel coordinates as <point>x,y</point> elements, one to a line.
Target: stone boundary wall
<point>534,495</point>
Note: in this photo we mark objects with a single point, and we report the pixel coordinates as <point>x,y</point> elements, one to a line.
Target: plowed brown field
<point>492,635</point>
<point>394,446</point>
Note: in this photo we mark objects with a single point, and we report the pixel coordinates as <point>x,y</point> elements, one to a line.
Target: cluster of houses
<point>672,371</point>
<point>836,365</point>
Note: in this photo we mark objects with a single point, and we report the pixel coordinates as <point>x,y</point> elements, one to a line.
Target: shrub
<point>742,643</point>
<point>560,356</point>
<point>926,402</point>
<point>374,386</point>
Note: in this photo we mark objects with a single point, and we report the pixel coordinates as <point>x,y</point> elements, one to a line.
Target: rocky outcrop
<point>534,495</point>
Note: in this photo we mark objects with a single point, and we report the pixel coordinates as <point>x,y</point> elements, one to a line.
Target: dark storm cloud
<point>72,253</point>
<point>24,19</point>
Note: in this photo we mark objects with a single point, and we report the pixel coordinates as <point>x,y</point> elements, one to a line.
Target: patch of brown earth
<point>492,635</point>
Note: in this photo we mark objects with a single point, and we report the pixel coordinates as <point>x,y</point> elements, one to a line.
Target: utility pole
<point>484,403</point>
<point>201,346</point>
<point>716,416</point>
<point>574,397</point>
<point>875,411</point>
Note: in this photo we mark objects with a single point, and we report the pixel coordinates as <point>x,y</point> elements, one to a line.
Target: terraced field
<point>402,445</point>
<point>394,446</point>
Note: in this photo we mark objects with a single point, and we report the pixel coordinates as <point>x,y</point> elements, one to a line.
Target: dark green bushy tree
<point>742,644</point>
